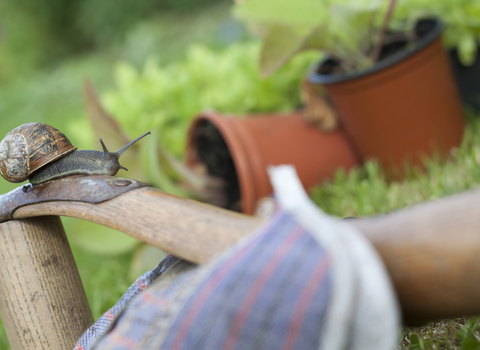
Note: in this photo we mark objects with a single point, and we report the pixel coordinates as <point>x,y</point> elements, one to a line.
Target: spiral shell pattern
<point>30,146</point>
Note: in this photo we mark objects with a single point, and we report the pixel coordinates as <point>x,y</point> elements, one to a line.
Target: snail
<point>39,152</point>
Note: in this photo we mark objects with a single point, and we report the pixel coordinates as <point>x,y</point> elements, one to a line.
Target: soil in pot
<point>239,151</point>
<point>214,154</point>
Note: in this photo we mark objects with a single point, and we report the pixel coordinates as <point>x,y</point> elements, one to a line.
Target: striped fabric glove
<point>303,281</point>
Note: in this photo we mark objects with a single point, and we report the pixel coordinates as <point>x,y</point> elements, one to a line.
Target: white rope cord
<point>363,313</point>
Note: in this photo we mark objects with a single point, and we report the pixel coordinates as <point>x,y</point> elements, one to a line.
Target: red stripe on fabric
<point>109,315</point>
<point>303,303</point>
<point>140,284</point>
<point>257,287</point>
<point>148,298</point>
<point>207,290</point>
<point>118,339</point>
<point>78,347</point>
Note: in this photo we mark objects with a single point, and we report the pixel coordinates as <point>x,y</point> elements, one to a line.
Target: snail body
<point>77,163</point>
<point>39,153</point>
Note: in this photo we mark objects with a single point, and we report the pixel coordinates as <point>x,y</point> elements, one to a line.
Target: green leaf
<point>168,97</point>
<point>467,336</point>
<point>156,171</point>
<point>351,31</point>
<point>472,11</point>
<point>467,49</point>
<point>287,12</point>
<point>100,240</point>
<point>279,45</point>
<point>414,339</point>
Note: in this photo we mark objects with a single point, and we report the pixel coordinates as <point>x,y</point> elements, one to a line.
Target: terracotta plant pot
<point>239,150</point>
<point>403,108</point>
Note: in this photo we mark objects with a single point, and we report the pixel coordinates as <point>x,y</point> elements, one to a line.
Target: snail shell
<point>29,147</point>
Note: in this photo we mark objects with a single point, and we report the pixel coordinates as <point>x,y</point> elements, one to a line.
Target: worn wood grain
<point>192,230</point>
<point>42,300</point>
<point>431,251</point>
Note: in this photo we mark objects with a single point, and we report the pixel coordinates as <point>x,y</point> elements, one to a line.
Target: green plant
<point>164,100</point>
<point>366,191</point>
<point>462,19</point>
<point>167,98</point>
<point>454,334</point>
<point>349,30</point>
<point>38,34</point>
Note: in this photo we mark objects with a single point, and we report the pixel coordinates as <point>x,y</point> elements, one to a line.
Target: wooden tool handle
<point>42,301</point>
<point>432,251</point>
<point>186,228</point>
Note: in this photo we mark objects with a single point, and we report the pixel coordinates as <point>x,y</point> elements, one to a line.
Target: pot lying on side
<point>403,108</point>
<point>239,150</point>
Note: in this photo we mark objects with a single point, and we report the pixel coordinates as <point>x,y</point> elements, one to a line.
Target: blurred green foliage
<point>462,19</point>
<point>41,80</point>
<point>344,29</point>
<point>366,191</point>
<point>348,29</point>
<point>106,22</point>
<point>166,98</point>
<point>40,33</point>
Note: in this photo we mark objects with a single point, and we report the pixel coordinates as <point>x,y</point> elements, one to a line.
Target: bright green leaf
<point>279,45</point>
<point>286,12</point>
<point>472,10</point>
<point>125,74</point>
<point>467,49</point>
<point>100,240</point>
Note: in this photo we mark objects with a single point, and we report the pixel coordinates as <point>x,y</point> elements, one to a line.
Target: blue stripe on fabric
<point>314,318</point>
<point>277,299</point>
<point>233,289</point>
<point>273,310</point>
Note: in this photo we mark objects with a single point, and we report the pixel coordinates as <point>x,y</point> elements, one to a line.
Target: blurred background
<point>154,65</point>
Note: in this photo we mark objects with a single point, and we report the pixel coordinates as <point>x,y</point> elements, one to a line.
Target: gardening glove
<point>304,280</point>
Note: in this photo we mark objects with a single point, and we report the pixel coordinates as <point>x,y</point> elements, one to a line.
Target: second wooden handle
<point>42,301</point>
<point>432,253</point>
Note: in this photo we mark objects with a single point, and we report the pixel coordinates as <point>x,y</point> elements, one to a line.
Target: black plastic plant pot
<point>468,79</point>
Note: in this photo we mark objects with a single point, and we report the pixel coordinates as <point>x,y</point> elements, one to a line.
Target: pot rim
<point>237,150</point>
<point>430,37</point>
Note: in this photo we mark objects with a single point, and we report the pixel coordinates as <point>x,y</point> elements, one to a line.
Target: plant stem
<point>378,45</point>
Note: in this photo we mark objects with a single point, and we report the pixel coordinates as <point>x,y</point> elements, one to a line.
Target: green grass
<point>55,95</point>
<point>362,192</point>
<point>366,192</point>
<point>456,334</point>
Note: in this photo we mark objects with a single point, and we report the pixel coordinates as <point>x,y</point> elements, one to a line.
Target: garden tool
<point>430,251</point>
